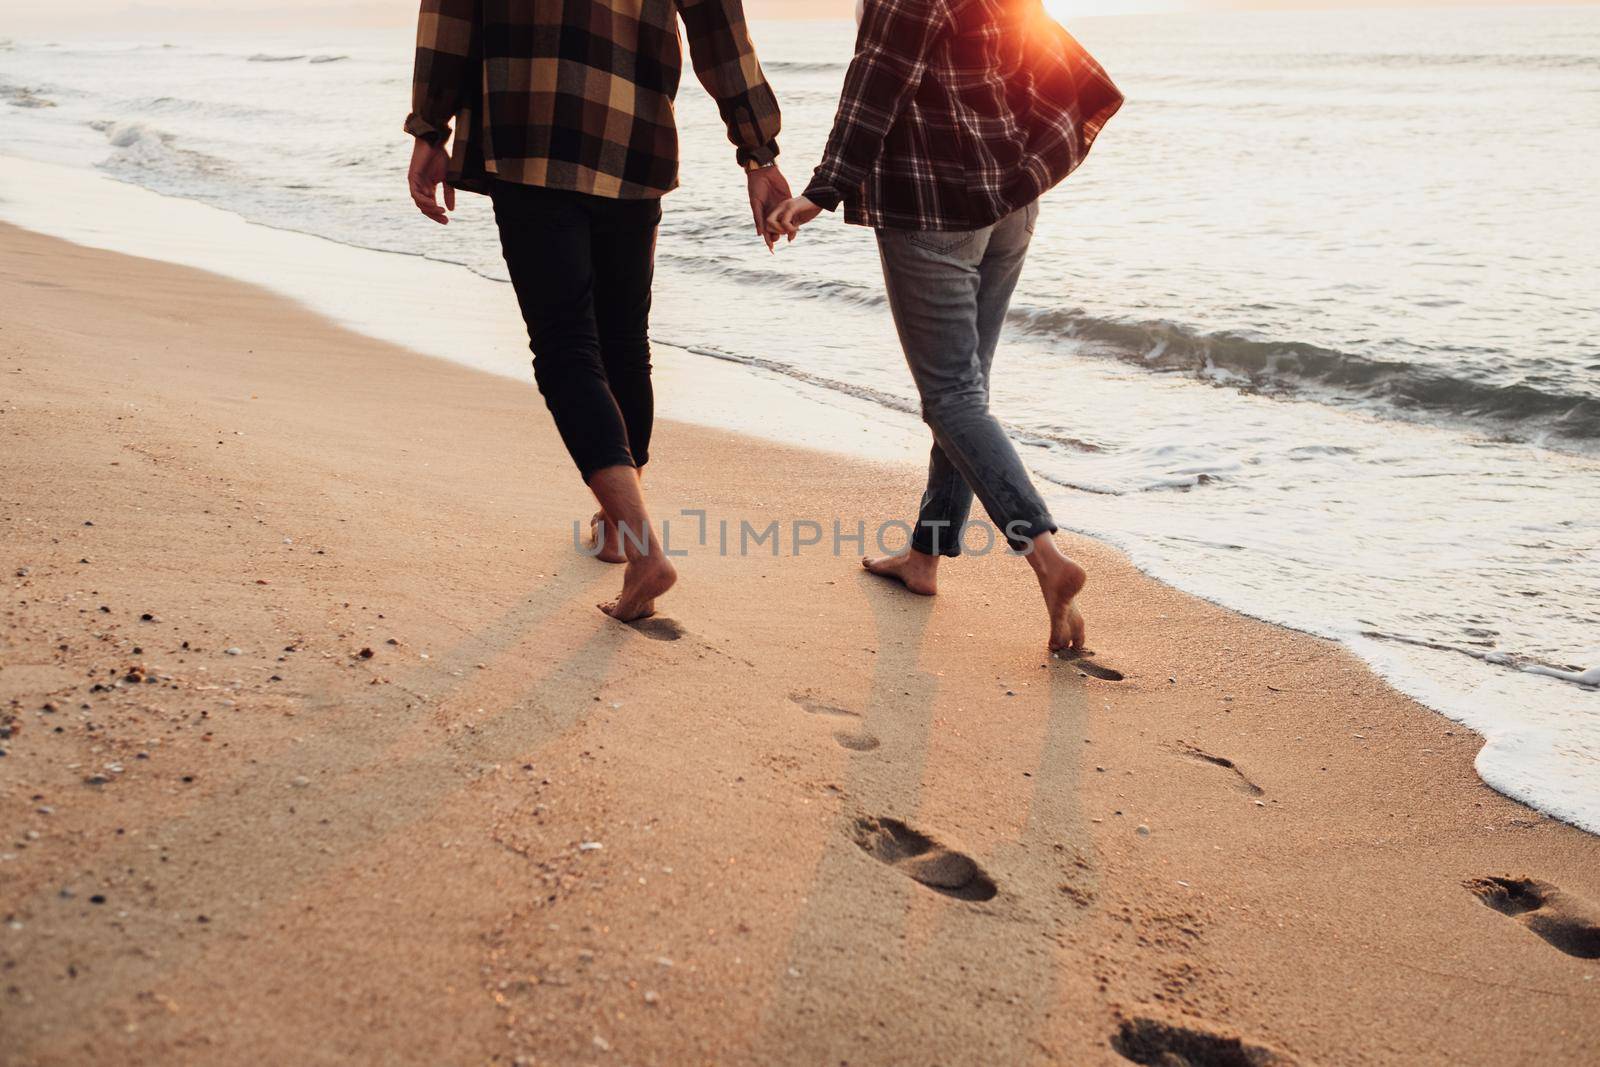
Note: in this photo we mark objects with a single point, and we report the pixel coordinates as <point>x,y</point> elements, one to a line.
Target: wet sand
<point>318,751</point>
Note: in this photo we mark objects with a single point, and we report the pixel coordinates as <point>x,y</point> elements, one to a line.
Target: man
<point>956,116</point>
<point>563,115</point>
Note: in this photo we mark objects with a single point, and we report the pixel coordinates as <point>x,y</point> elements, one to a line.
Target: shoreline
<point>1224,842</point>
<point>1537,752</point>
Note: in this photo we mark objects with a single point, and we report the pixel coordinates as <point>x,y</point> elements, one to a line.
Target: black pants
<point>582,267</point>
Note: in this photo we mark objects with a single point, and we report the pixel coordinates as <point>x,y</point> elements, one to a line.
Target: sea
<point>1314,333</point>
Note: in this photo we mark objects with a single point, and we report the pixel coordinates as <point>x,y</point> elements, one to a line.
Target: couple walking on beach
<point>956,116</point>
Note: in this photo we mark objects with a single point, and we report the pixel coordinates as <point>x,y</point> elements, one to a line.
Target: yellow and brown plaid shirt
<point>578,96</point>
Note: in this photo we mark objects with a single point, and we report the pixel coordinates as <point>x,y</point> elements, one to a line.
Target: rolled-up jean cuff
<point>949,541</point>
<point>589,466</point>
<point>1026,530</point>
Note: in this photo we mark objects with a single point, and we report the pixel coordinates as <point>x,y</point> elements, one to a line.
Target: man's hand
<point>789,216</point>
<point>430,164</point>
<point>768,188</point>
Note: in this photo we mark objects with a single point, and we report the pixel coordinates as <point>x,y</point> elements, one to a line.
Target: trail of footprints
<point>1570,924</point>
<point>891,842</point>
<point>911,852</point>
<point>955,874</point>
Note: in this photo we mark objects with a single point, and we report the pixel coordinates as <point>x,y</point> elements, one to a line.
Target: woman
<point>956,116</point>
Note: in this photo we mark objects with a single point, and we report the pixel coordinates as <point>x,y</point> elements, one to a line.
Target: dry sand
<point>517,831</point>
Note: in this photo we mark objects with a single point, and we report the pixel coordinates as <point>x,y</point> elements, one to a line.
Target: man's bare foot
<point>647,577</point>
<point>1061,582</point>
<point>611,550</point>
<point>917,571</point>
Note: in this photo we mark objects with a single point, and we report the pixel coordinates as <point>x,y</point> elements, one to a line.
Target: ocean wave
<point>268,57</point>
<point>861,392</point>
<point>796,66</point>
<point>1582,677</point>
<point>23,96</point>
<point>1286,368</point>
<point>806,285</point>
<point>1298,368</point>
<point>1519,60</point>
<point>142,150</point>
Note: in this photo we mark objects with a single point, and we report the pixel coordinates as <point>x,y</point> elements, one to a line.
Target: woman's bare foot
<point>917,571</point>
<point>1060,580</point>
<point>647,577</point>
<point>611,550</point>
<point>1067,630</point>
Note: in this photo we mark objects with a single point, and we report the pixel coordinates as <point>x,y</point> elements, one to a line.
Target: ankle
<point>1042,554</point>
<point>638,542</point>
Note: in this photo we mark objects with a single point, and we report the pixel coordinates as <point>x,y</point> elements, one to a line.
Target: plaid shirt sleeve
<point>445,33</point>
<point>891,57</point>
<point>725,62</point>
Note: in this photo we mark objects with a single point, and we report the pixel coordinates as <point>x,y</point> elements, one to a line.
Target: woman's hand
<point>790,215</point>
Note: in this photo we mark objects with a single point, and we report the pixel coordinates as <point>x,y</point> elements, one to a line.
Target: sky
<point>66,16</point>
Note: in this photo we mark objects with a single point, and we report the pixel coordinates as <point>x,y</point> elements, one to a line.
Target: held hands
<point>768,188</point>
<point>430,165</point>
<point>788,217</point>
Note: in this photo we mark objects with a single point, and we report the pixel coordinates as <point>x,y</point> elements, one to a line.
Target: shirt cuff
<point>822,194</point>
<point>422,130</point>
<point>764,156</point>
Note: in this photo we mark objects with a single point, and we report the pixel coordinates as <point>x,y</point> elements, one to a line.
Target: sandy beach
<point>317,750</point>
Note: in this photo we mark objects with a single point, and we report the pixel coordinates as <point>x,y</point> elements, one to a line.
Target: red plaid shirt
<point>957,112</point>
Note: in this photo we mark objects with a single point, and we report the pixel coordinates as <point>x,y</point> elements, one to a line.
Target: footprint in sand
<point>854,740</point>
<point>1164,1044</point>
<point>817,707</point>
<point>1199,755</point>
<point>1079,658</point>
<point>1570,924</point>
<point>658,628</point>
<point>923,859</point>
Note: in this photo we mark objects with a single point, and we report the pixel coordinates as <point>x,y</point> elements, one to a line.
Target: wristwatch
<point>752,166</point>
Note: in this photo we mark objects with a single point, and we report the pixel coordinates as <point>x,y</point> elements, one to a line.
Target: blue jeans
<point>949,292</point>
